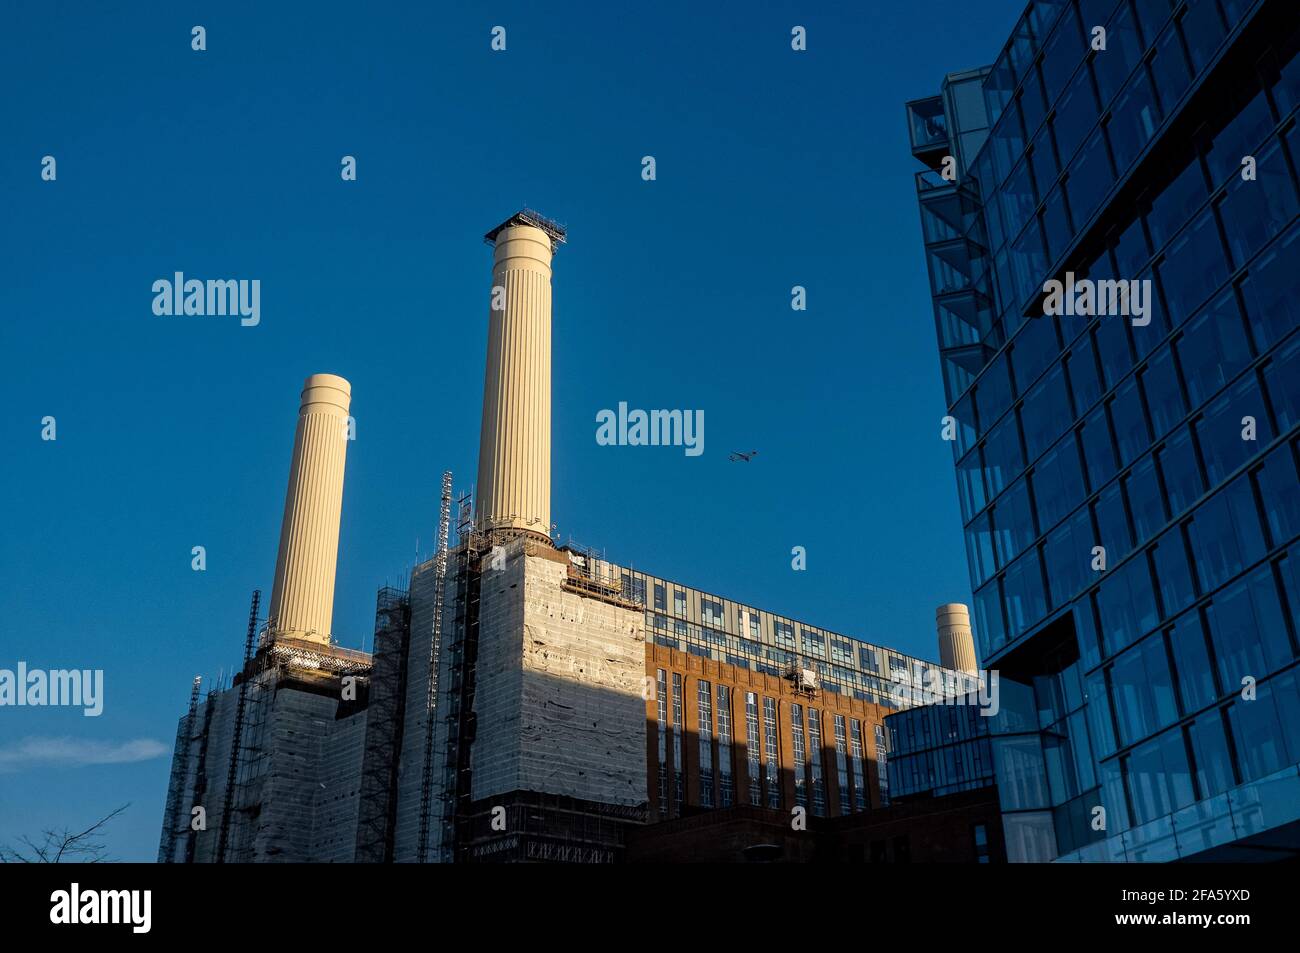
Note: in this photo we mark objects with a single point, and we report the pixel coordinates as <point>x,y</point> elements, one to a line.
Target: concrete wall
<point>560,679</point>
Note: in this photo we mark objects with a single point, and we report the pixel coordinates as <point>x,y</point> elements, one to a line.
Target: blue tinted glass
<point>1151,15</point>
<point>1175,203</point>
<point>1145,501</point>
<point>1169,68</point>
<point>1240,136</point>
<point>1076,112</point>
<point>1224,534</point>
<point>1123,50</point>
<point>1133,120</point>
<point>1002,457</point>
<point>1042,159</point>
<point>1222,434</point>
<point>1192,659</point>
<point>1031,101</point>
<point>1028,262</point>
<point>1058,482</point>
<point>988,614</point>
<point>1100,728</point>
<point>1202,29</point>
<point>1023,593</point>
<point>1056,225</point>
<point>1258,735</point>
<point>1089,177</point>
<point>970,482</point>
<point>1097,453</point>
<point>979,550</point>
<point>1213,348</point>
<point>1163,396</point>
<point>1082,368</point>
<point>1068,554</point>
<point>1131,251</point>
<point>1282,378</point>
<point>1046,412</point>
<point>993,393</point>
<point>1061,54</point>
<point>1035,348</point>
<point>1113,349</point>
<point>1126,605</point>
<point>1253,212</point>
<point>1181,472</point>
<point>1272,290</point>
<point>1194,266</point>
<point>1214,773</point>
<point>1129,422</point>
<point>1012,522</point>
<point>1172,573</point>
<point>1280,491</point>
<point>1112,524</point>
<point>1018,199</point>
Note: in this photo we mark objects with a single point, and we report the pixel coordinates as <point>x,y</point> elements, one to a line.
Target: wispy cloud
<point>34,752</point>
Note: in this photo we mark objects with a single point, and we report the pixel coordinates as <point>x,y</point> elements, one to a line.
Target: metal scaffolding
<point>435,659</point>
<point>232,774</point>
<point>172,823</point>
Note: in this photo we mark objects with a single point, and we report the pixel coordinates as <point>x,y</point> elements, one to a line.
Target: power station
<point>524,701</point>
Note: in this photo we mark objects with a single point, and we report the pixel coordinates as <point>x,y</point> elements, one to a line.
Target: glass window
<point>979,549</point>
<point>1254,212</point>
<point>1123,50</point>
<point>1002,457</point>
<point>1182,474</point>
<point>1111,336</point>
<point>1018,199</point>
<point>1169,556</point>
<point>1202,29</point>
<point>1034,350</point>
<point>1247,629</point>
<point>1169,68</point>
<point>1174,204</point>
<point>1056,225</point>
<point>1145,501</point>
<point>1013,523</point>
<point>1068,554</point>
<point>1214,773</point>
<point>1129,422</point>
<point>1126,606</point>
<point>1241,135</point>
<point>1112,524</point>
<point>1213,348</point>
<point>1258,735</point>
<point>1272,290</point>
<point>1159,779</point>
<point>1081,364</point>
<point>1133,120</point>
<point>1046,412</point>
<point>1098,455</point>
<point>1100,727</point>
<point>993,393</point>
<point>1280,490</point>
<point>1058,482</point>
<point>1163,396</point>
<point>1224,534</point>
<point>1194,266</point>
<point>1282,378</point>
<point>1221,432</point>
<point>1031,101</point>
<point>1195,673</point>
<point>1076,112</point>
<point>1028,262</point>
<point>1089,178</point>
<point>990,630</point>
<point>1061,54</point>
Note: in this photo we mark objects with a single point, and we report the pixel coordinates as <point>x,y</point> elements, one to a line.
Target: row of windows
<point>761,751</point>
<point>1250,212</point>
<point>1255,513</point>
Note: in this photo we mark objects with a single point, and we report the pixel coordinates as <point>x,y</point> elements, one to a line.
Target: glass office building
<point>1128,482</point>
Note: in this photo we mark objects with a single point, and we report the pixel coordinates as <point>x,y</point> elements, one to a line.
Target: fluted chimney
<point>514,458</point>
<point>956,642</point>
<point>302,599</point>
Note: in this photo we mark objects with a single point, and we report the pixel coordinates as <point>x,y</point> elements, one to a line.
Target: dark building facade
<point>1127,468</point>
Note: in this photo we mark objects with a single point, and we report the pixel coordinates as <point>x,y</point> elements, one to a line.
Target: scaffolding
<point>458,699</point>
<point>172,824</point>
<point>435,659</point>
<point>232,774</point>
<point>377,809</point>
<point>200,774</point>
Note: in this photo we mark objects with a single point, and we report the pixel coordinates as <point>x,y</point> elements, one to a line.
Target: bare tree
<point>62,847</point>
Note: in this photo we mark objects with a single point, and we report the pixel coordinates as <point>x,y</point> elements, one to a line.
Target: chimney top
<point>528,216</point>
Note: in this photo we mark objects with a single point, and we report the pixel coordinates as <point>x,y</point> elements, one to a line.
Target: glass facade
<point>1128,481</point>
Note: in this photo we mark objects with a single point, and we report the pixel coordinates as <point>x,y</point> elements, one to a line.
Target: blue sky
<point>774,169</point>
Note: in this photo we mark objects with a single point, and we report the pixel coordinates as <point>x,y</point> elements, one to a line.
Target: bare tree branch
<point>63,846</point>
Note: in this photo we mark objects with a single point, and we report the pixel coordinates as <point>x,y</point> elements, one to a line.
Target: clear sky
<point>774,169</point>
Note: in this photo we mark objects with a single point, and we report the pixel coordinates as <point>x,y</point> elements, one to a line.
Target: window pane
<point>1195,674</point>
<point>1223,435</point>
<point>1164,398</point>
<point>1213,348</point>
